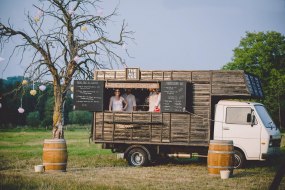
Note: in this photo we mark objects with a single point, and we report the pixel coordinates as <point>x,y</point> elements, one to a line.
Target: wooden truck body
<point>185,124</point>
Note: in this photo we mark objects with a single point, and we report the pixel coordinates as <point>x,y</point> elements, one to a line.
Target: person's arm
<point>125,102</point>
<point>158,100</point>
<point>134,103</point>
<point>110,104</point>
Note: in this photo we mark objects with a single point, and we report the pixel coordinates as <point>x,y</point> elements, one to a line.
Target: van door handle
<point>226,128</point>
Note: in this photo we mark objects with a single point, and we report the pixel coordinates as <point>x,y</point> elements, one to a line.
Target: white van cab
<point>254,134</point>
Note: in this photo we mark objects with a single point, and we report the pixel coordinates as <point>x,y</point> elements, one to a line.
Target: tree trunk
<point>57,130</point>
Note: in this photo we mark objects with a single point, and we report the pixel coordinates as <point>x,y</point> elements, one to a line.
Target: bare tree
<point>68,39</point>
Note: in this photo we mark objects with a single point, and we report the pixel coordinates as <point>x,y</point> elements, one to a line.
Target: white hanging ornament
<point>76,58</point>
<point>100,12</point>
<point>42,87</point>
<point>2,59</point>
<point>71,11</point>
<point>40,13</point>
<point>20,109</point>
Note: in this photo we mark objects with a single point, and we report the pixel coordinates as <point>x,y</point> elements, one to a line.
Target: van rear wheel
<point>239,159</point>
<point>137,157</point>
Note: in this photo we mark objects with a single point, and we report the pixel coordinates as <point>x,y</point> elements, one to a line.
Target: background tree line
<point>38,108</point>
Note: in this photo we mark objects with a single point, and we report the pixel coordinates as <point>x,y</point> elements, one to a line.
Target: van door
<point>237,127</point>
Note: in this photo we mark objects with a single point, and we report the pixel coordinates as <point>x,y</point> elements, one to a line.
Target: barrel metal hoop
<point>58,149</point>
<point>54,164</point>
<point>55,141</point>
<point>220,152</point>
<point>224,167</point>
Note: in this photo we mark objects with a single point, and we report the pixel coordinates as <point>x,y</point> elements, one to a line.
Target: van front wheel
<point>239,159</point>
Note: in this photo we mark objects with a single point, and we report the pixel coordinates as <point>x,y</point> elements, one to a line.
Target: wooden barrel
<point>220,156</point>
<point>55,155</point>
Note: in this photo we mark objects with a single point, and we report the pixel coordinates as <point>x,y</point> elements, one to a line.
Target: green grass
<point>90,167</point>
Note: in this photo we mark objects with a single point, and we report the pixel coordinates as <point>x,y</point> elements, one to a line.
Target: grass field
<point>90,167</point>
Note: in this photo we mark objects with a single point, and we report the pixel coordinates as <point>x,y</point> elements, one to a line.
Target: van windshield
<point>264,116</point>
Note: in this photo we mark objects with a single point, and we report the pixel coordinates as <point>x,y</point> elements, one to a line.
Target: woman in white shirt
<point>117,102</point>
<point>154,100</point>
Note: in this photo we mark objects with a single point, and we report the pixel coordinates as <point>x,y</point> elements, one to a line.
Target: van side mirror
<point>248,118</point>
<point>253,120</point>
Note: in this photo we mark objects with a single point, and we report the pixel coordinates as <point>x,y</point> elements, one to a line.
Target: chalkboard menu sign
<point>88,95</point>
<point>254,86</point>
<point>173,96</point>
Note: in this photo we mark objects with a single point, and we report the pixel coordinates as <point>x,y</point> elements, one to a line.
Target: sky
<point>170,34</point>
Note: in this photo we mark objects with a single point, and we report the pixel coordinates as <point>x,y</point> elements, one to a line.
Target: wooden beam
<point>131,85</point>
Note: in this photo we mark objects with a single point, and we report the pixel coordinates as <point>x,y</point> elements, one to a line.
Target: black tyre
<point>239,159</point>
<point>137,157</point>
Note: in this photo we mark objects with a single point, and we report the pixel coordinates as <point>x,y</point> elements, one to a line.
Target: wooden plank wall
<point>169,128</point>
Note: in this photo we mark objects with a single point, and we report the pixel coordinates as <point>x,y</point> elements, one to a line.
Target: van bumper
<point>273,152</point>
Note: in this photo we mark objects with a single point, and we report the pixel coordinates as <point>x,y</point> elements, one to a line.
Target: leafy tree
<point>48,111</point>
<point>33,119</point>
<point>9,103</point>
<point>263,54</point>
<point>71,44</point>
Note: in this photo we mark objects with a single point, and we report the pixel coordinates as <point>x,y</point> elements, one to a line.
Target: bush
<point>80,117</point>
<point>33,119</point>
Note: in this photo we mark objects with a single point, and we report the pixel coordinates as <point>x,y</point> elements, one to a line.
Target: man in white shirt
<point>130,99</point>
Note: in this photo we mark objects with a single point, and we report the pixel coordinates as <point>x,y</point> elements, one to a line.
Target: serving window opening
<point>140,91</point>
<point>164,96</point>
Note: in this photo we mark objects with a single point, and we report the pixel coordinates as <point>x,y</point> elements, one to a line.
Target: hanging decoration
<point>76,58</point>
<point>24,82</point>
<point>71,12</point>
<point>38,16</point>
<point>42,87</point>
<point>20,109</point>
<point>84,28</point>
<point>100,12</point>
<point>33,92</point>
